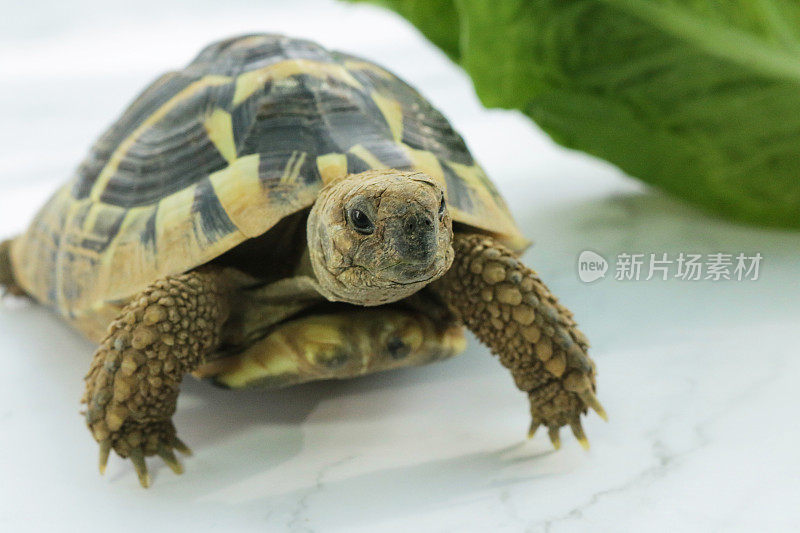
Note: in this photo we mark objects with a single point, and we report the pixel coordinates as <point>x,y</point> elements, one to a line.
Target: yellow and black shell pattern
<point>216,153</point>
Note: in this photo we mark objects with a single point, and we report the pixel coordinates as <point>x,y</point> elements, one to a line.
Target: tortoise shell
<point>222,150</point>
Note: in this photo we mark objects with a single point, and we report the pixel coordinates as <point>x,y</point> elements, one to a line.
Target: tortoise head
<point>379,236</point>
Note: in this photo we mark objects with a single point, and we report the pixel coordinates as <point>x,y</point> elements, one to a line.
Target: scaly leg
<point>510,310</point>
<point>132,384</point>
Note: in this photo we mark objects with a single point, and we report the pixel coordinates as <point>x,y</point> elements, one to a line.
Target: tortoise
<point>277,213</point>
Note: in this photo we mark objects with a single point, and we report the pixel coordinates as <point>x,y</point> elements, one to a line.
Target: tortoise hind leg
<point>7,279</point>
<point>132,384</point>
<point>344,343</point>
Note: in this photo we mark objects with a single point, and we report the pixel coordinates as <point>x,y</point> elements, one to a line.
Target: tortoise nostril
<point>416,226</point>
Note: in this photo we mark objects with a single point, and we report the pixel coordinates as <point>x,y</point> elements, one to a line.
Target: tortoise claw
<point>137,457</point>
<point>169,458</point>
<point>105,449</point>
<point>162,432</point>
<point>179,445</point>
<point>554,437</point>
<point>590,399</point>
<point>577,430</point>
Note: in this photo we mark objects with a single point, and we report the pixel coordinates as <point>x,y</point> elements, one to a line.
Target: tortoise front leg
<point>132,384</point>
<point>510,310</point>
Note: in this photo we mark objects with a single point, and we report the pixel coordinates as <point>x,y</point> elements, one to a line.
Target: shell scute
<point>220,152</point>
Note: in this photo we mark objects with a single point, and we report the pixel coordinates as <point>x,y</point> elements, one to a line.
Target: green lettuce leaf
<point>700,98</point>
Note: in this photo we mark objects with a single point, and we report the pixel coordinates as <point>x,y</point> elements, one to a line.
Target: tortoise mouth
<point>415,273</point>
<point>410,272</point>
<point>404,274</point>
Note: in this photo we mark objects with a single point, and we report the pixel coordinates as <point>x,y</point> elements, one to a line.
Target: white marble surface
<point>699,378</point>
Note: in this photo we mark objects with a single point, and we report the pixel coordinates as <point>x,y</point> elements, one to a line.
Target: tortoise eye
<point>441,208</point>
<point>361,222</point>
